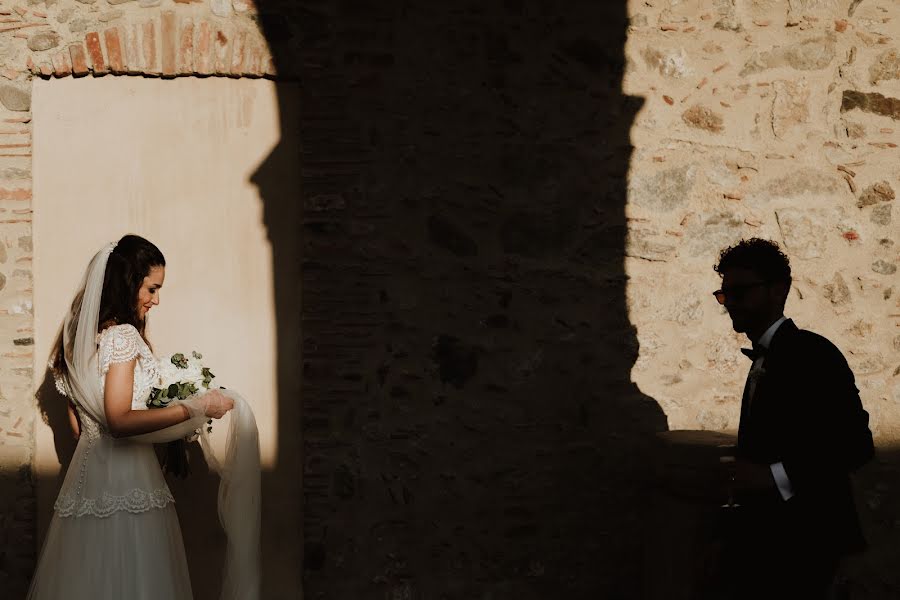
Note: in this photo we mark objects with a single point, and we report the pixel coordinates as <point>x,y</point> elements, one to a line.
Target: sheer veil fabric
<point>239,468</point>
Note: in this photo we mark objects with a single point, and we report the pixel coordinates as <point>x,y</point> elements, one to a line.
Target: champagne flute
<point>729,459</point>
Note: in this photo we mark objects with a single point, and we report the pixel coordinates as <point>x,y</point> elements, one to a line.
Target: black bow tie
<point>755,352</point>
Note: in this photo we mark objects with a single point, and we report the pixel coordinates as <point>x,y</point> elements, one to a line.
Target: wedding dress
<point>114,532</point>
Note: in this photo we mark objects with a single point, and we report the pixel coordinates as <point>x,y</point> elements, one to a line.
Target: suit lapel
<point>748,431</point>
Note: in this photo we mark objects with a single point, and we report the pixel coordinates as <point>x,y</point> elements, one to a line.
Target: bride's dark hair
<point>128,264</point>
<point>130,261</point>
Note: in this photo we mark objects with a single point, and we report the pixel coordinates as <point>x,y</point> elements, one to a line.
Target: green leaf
<point>172,390</point>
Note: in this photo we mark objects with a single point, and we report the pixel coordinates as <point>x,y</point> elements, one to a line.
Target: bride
<point>114,533</point>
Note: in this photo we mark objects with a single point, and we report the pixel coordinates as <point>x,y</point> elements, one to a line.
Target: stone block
<point>881,215</point>
<point>837,291</point>
<point>221,8</point>
<point>702,117</point>
<point>668,62</point>
<point>110,15</point>
<point>871,102</point>
<point>41,42</point>
<point>804,231</point>
<point>663,191</point>
<point>877,192</point>
<point>790,107</point>
<point>15,97</point>
<point>883,267</point>
<point>886,66</point>
<point>797,187</point>
<point>810,55</point>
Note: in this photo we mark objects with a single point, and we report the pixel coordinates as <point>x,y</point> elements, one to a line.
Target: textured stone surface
<point>799,185</point>
<point>883,267</point>
<point>881,215</point>
<point>476,270</point>
<point>663,191</point>
<point>15,97</point>
<point>871,102</point>
<point>670,63</point>
<point>887,66</point>
<point>702,117</point>
<point>875,193</point>
<point>803,231</point>
<point>43,41</point>
<point>810,55</point>
<point>791,106</point>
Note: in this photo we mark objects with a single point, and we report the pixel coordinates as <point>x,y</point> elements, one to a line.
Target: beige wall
<point>171,161</point>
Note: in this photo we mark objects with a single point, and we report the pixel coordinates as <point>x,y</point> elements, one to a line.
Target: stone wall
<point>510,214</point>
<point>776,119</point>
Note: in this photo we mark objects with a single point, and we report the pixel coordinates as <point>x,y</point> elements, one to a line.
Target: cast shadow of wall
<point>470,428</point>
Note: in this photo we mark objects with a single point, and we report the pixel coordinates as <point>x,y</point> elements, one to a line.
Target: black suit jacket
<point>806,413</point>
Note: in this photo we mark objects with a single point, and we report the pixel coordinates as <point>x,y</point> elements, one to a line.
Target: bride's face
<point>148,295</point>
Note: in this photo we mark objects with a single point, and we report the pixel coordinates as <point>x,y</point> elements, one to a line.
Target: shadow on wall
<point>470,429</point>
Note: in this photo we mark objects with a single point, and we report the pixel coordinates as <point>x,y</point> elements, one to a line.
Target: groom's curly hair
<point>128,264</point>
<point>763,257</point>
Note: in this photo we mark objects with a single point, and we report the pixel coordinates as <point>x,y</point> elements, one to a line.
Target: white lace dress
<point>114,532</point>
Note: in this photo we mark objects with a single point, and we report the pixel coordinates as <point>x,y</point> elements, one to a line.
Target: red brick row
<point>163,47</point>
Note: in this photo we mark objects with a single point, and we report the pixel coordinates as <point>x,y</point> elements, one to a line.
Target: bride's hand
<point>213,404</point>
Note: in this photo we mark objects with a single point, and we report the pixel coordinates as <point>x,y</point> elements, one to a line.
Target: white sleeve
<point>782,481</point>
<point>118,344</point>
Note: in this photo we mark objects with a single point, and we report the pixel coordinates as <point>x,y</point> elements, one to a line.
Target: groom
<point>802,431</point>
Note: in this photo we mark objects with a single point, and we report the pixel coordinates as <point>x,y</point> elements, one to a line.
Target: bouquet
<point>180,376</point>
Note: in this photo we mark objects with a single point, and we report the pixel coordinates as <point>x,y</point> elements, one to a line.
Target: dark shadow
<point>470,428</point>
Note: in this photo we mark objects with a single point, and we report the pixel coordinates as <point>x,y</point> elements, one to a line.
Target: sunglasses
<point>736,292</point>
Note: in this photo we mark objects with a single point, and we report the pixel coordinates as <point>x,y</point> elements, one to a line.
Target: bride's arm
<point>121,419</point>
<point>73,421</point>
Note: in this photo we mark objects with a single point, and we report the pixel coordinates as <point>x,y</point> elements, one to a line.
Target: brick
<point>46,69</point>
<point>244,5</point>
<point>185,62</point>
<point>203,56</point>
<point>134,57</point>
<point>222,47</point>
<point>61,64</point>
<point>237,53</point>
<point>15,194</point>
<point>79,60</point>
<point>167,34</point>
<point>114,50</point>
<point>95,51</point>
<point>148,30</point>
<point>254,65</point>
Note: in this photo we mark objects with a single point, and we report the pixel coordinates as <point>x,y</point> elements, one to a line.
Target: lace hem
<point>135,501</point>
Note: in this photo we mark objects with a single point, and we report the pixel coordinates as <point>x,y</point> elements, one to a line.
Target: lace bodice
<point>123,343</point>
<point>107,474</point>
